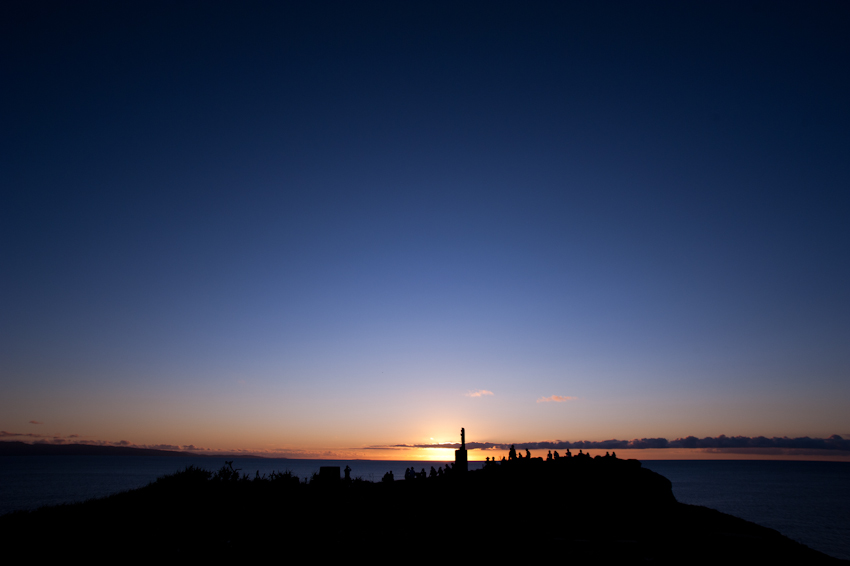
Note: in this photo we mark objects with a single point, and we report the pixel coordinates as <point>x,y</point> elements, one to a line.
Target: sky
<point>321,228</point>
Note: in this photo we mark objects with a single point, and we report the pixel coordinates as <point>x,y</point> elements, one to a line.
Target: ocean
<point>806,501</point>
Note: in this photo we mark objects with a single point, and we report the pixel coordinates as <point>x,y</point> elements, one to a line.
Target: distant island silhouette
<point>18,448</point>
<point>566,507</point>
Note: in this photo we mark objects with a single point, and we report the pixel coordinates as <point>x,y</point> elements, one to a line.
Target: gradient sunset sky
<point>317,227</point>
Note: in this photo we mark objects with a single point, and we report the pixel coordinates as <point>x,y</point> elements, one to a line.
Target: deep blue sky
<point>321,225</point>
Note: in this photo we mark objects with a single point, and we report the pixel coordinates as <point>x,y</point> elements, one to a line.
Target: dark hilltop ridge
<point>570,508</point>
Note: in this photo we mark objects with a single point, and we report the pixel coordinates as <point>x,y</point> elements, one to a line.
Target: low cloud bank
<point>834,442</point>
<point>74,439</point>
<point>719,443</point>
<point>34,438</point>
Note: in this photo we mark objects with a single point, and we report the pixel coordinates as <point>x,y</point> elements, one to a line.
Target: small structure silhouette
<point>461,463</point>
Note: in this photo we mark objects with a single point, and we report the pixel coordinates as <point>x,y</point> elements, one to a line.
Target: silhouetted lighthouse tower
<point>461,464</point>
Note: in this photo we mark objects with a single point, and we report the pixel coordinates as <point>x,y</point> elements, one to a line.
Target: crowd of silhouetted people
<point>513,456</point>
<point>411,473</point>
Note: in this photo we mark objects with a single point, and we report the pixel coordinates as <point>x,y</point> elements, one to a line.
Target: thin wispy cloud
<point>36,422</point>
<point>4,433</point>
<point>556,399</point>
<point>479,393</point>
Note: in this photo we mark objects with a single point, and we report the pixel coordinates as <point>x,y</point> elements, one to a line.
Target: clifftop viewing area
<point>603,509</point>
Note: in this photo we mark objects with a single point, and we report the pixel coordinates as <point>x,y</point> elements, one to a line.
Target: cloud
<point>158,446</point>
<point>36,422</point>
<point>29,434</point>
<point>556,399</point>
<point>50,441</point>
<point>479,393</point>
<point>834,442</point>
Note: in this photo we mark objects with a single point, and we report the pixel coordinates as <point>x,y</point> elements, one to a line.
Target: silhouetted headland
<point>18,448</point>
<point>571,508</point>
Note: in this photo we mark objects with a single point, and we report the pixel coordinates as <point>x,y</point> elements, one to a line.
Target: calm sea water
<point>806,501</point>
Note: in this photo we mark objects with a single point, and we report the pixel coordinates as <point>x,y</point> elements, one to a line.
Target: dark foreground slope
<point>604,510</point>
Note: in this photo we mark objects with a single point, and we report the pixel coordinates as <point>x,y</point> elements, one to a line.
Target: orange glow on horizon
<point>413,454</point>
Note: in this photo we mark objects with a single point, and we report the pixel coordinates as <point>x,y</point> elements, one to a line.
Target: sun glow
<point>435,454</point>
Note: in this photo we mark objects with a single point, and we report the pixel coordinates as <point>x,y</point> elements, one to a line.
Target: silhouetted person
<point>568,454</point>
<point>347,473</point>
<point>613,454</point>
<point>557,455</point>
<point>512,453</point>
<point>527,454</point>
<point>549,456</point>
<point>433,473</point>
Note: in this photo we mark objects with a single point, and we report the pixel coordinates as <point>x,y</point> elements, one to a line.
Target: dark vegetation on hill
<point>602,510</point>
